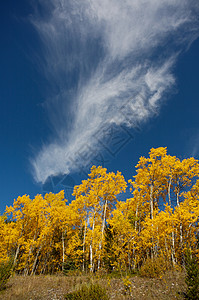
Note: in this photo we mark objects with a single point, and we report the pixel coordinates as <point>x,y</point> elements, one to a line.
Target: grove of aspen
<point>97,231</point>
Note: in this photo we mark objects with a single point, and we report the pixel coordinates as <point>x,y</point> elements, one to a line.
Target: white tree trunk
<point>103,226</point>
<point>84,241</point>
<point>151,201</point>
<point>91,244</point>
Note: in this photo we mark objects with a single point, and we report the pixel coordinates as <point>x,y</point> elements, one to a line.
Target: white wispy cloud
<point>100,55</point>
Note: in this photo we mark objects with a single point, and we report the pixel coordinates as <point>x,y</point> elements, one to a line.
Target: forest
<point>97,231</point>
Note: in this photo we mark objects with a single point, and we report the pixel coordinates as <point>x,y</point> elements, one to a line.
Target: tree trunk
<point>63,250</point>
<point>151,201</point>
<point>151,216</point>
<point>136,215</point>
<point>16,255</point>
<point>26,269</point>
<point>173,248</point>
<point>181,243</point>
<point>177,195</point>
<point>18,247</point>
<point>84,241</point>
<point>103,226</point>
<point>34,265</point>
<point>91,244</point>
<point>169,191</point>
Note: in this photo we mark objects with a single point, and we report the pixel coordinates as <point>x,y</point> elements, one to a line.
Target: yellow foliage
<point>96,230</point>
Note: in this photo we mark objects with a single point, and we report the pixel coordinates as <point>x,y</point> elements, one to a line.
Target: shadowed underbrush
<point>5,273</point>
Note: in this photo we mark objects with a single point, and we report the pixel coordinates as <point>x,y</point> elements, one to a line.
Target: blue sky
<point>80,85</point>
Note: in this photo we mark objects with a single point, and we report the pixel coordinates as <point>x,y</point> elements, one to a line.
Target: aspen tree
<point>100,192</point>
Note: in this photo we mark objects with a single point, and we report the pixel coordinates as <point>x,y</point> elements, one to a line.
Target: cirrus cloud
<point>100,55</point>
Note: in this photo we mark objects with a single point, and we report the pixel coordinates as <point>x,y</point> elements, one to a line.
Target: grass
<point>88,292</point>
<point>170,286</point>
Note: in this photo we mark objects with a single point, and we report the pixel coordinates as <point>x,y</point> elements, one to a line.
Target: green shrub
<point>5,273</point>
<point>88,292</point>
<point>68,266</point>
<point>192,277</point>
